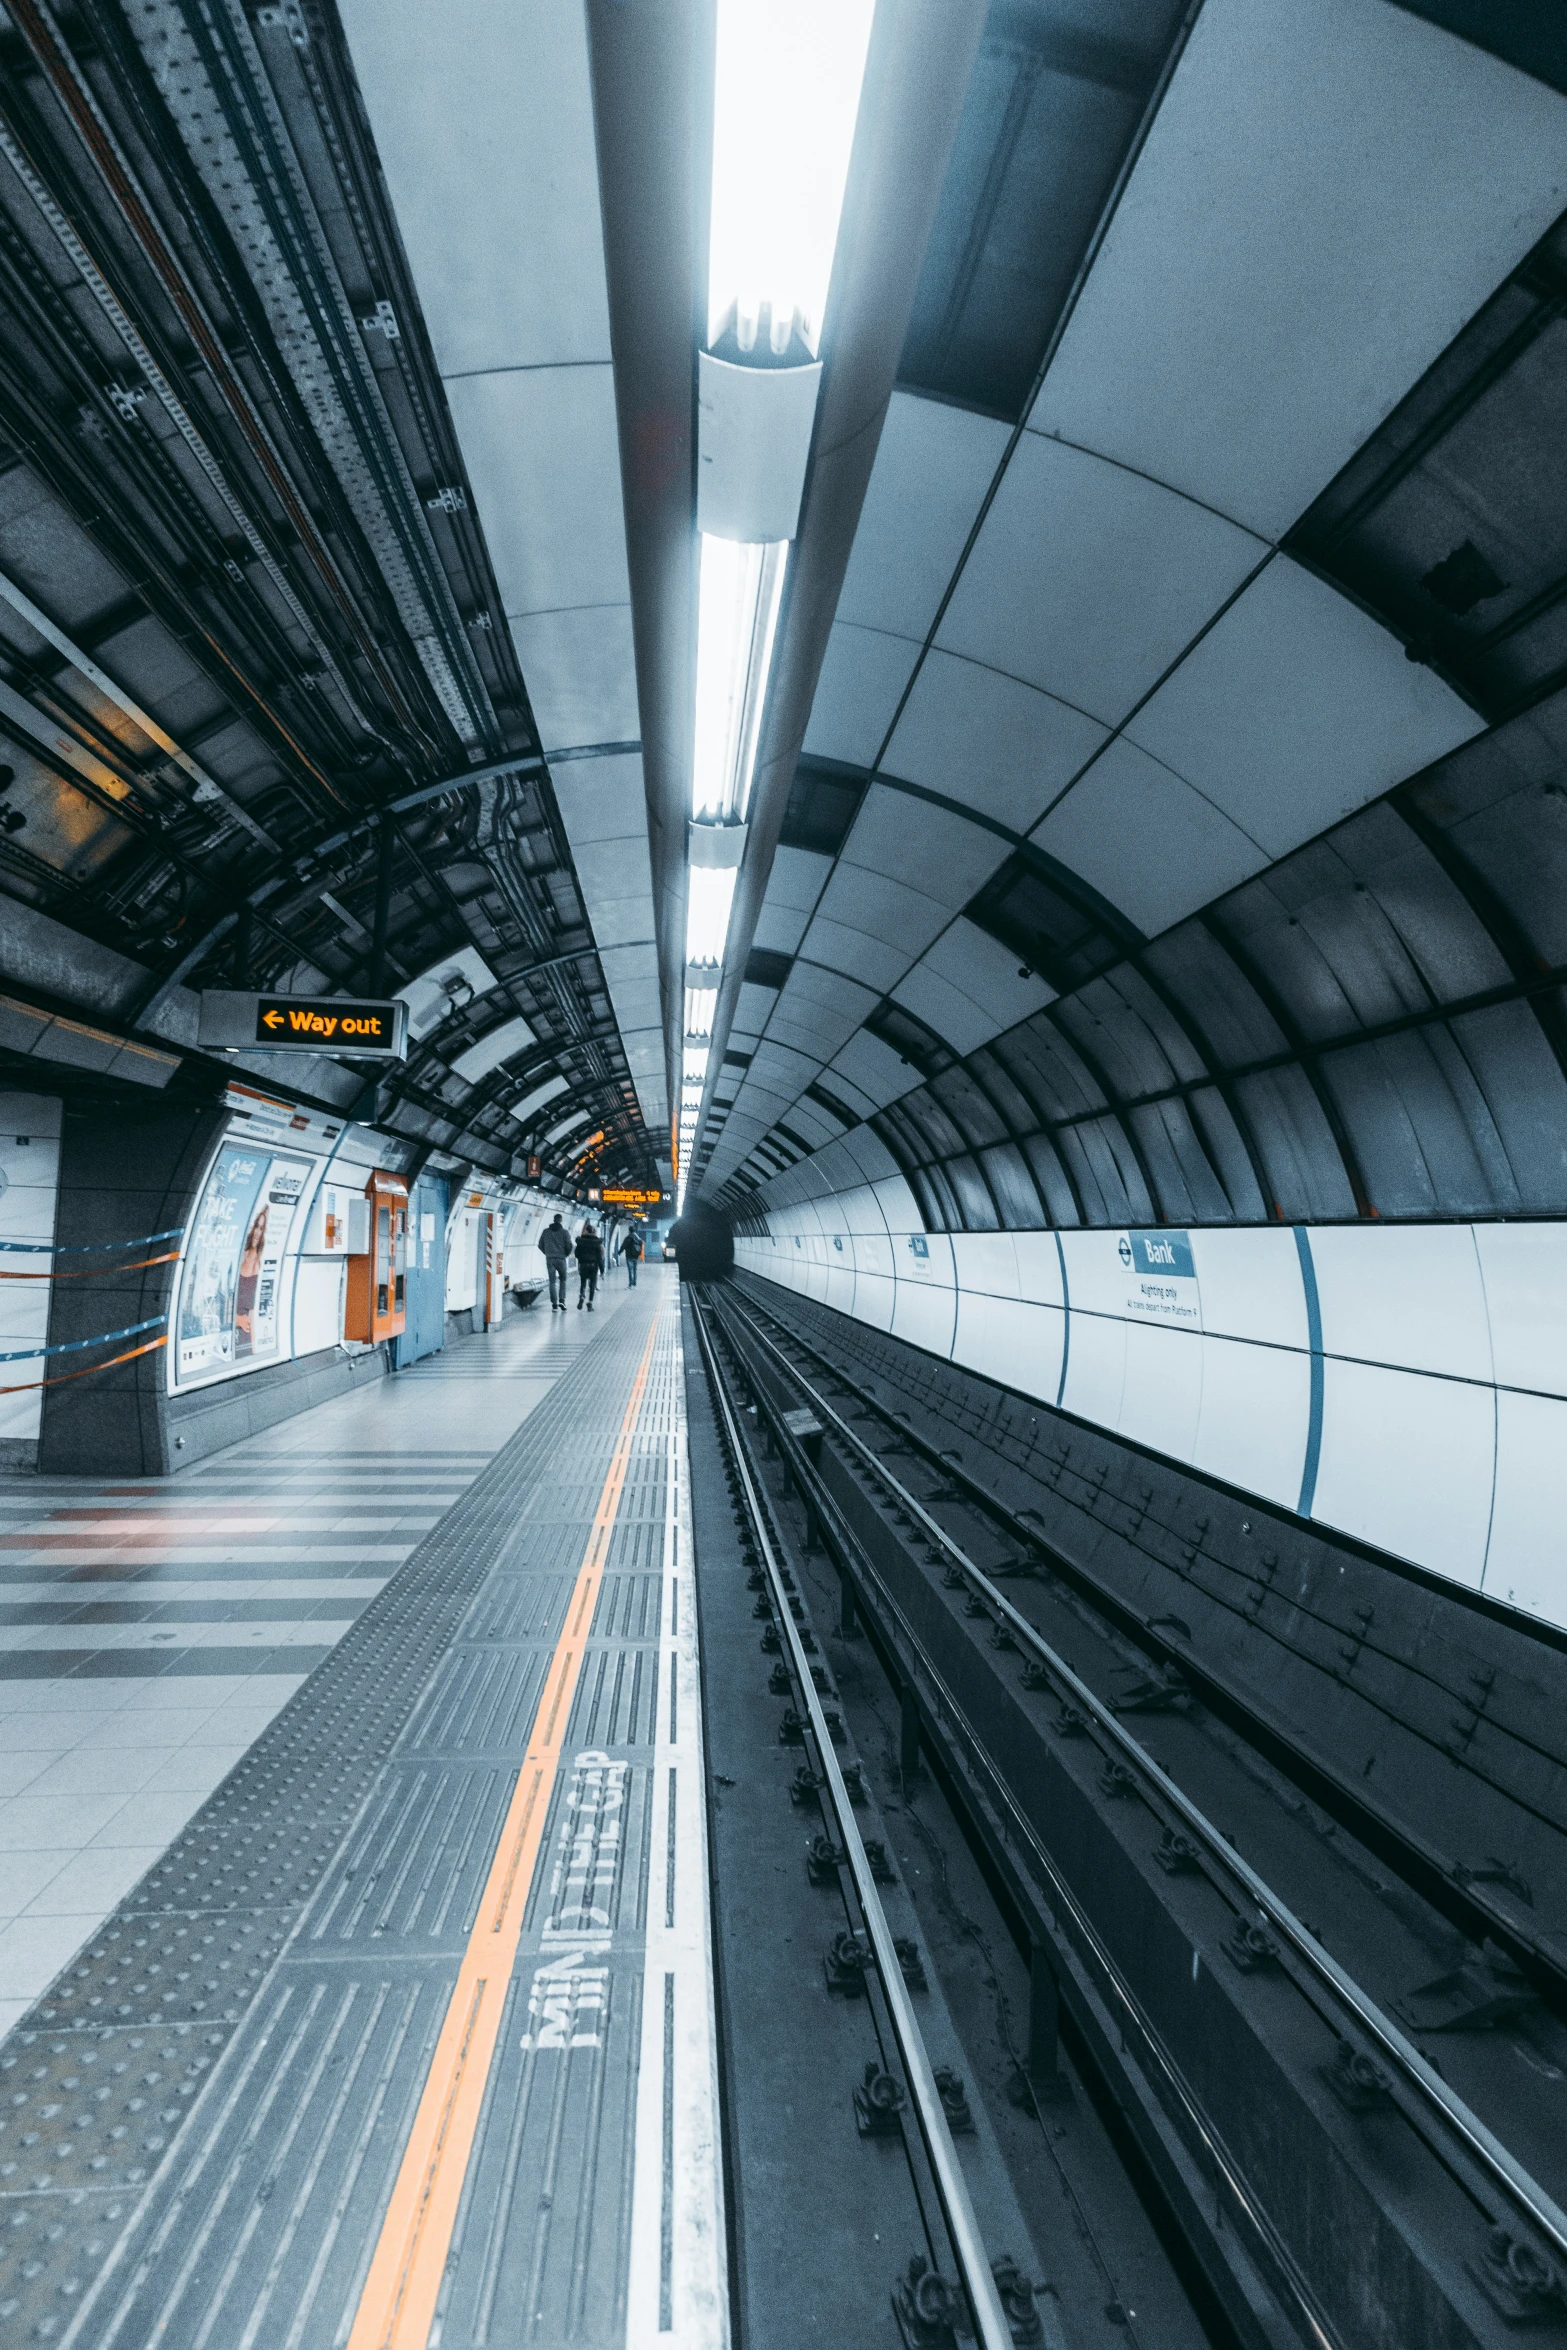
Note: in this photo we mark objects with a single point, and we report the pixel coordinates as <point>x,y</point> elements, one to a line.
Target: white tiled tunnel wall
<point>1432,1423</point>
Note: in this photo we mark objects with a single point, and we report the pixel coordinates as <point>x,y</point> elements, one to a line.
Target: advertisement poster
<point>230,1289</point>
<point>1162,1279</point>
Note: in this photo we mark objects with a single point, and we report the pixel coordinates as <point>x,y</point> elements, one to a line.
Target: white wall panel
<point>1254,1418</point>
<point>1526,1564</point>
<point>543,456</point>
<point>1027,1339</point>
<point>1251,1285</point>
<point>1411,1442</point>
<point>1408,1293</point>
<point>1096,1279</point>
<point>960,1022</point>
<point>873,1254</point>
<point>840,1285</point>
<point>1162,1392</point>
<point>1095,1368</point>
<point>875,1295</point>
<point>861,1211</point>
<point>1038,1267</point>
<point>924,1316</point>
<point>1407,1463</point>
<point>1524,1269</point>
<point>318,1303</point>
<point>985,1263</point>
<point>990,740</point>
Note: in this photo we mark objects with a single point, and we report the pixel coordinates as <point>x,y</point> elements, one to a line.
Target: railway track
<point>1334,2185</point>
<point>961,2289</point>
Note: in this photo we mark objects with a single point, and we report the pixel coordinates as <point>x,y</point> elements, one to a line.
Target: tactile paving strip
<point>190,1960</point>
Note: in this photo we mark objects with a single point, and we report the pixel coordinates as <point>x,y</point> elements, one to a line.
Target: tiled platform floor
<point>150,1630</point>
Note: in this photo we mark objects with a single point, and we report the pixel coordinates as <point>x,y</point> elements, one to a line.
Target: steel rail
<point>968,2245</point>
<point>1481,2144</point>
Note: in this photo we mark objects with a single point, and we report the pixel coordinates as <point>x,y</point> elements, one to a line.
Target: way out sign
<point>232,1018</point>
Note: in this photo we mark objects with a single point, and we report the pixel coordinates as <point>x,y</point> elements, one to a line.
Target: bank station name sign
<point>233,1019</point>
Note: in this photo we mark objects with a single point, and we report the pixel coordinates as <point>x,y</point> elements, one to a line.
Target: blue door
<point>425,1330</point>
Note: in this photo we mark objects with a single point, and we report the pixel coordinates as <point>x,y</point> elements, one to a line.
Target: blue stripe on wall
<point>1308,1280</point>
<point>1066,1320</point>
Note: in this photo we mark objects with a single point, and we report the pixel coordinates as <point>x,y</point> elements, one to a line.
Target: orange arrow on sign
<point>273,1019</point>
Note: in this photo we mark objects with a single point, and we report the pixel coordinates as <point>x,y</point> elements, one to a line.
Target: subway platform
<point>354,1819</point>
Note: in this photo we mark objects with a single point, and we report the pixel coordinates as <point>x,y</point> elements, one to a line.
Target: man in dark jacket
<point>590,1264</point>
<point>631,1250</point>
<point>555,1247</point>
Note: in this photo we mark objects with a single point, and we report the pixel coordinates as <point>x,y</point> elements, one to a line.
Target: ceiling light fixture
<point>786,98</point>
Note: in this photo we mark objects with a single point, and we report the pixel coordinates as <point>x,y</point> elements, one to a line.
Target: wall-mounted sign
<point>533,1170</point>
<point>232,1019</point>
<point>1161,1277</point>
<point>631,1199</point>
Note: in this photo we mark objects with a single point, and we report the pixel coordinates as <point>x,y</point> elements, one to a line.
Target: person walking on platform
<point>631,1250</point>
<point>590,1264</point>
<point>555,1247</point>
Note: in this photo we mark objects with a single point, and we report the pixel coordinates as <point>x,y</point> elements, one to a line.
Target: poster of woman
<point>209,1277</point>
<point>231,1285</point>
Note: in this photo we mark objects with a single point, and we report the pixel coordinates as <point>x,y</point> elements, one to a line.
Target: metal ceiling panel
<point>987,972</point>
<point>581,677</point>
<point>904,919</point>
<point>956,1018</point>
<point>1296,709</point>
<point>544,461</point>
<point>842,946</point>
<point>933,468</point>
<point>601,799</point>
<point>864,676</point>
<point>509,258</point>
<point>990,740</point>
<point>1141,836</point>
<point>1088,580</point>
<point>875,1068</point>
<point>1304,231</point>
<point>752,1007</point>
<point>499,1044</point>
<point>797,878</point>
<point>779,928</point>
<point>941,854</point>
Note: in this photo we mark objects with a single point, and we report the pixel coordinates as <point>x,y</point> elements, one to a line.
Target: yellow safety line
<point>397,2306</point>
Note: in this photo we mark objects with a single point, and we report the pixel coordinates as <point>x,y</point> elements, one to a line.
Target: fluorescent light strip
<point>710,893</point>
<point>739,593</point>
<point>785,98</point>
<point>701,1005</point>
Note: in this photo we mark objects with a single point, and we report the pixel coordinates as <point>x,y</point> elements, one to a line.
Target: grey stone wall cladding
<point>126,1168</point>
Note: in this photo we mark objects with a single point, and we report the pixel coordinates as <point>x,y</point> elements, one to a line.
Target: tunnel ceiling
<point>1180,834</point>
<point>258,667</point>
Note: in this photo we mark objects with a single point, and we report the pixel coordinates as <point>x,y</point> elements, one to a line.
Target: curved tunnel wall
<point>1406,1385</point>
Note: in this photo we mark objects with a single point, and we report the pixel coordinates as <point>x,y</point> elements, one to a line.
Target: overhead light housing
<point>786,98</point>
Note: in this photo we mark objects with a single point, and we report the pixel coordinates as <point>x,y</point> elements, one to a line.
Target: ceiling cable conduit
<point>82,111</point>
